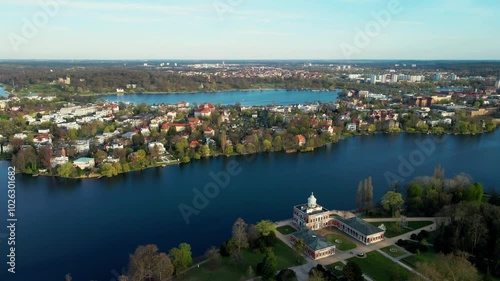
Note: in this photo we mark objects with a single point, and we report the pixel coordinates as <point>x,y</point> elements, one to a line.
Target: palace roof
<point>313,240</point>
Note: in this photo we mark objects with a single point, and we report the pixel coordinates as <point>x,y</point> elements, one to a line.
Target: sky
<point>250,29</point>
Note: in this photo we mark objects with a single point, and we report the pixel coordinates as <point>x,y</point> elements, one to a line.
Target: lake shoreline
<point>294,151</point>
<point>205,92</point>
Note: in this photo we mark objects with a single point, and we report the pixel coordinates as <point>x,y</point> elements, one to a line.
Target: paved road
<point>344,255</point>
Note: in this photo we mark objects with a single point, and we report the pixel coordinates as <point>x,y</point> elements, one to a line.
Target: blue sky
<point>250,29</point>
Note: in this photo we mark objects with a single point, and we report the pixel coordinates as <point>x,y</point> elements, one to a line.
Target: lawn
<point>226,270</point>
<point>424,257</point>
<point>393,230</point>
<point>286,229</point>
<point>380,268</point>
<point>399,251</point>
<point>332,266</point>
<point>346,244</point>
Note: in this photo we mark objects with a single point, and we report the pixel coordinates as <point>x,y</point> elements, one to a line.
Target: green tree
<point>265,227</point>
<point>108,170</point>
<point>277,143</point>
<point>352,272</point>
<point>286,275</point>
<point>65,170</point>
<point>137,139</point>
<point>267,145</point>
<point>269,265</point>
<point>181,257</point>
<point>392,202</point>
<point>299,246</point>
<point>205,151</point>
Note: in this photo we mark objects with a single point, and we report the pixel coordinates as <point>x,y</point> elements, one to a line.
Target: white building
<point>84,163</point>
<point>82,146</point>
<point>56,161</point>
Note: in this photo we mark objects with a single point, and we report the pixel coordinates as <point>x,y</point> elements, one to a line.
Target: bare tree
<point>240,237</point>
<point>359,196</point>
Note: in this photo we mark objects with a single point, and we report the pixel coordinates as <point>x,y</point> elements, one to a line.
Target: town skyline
<point>243,30</point>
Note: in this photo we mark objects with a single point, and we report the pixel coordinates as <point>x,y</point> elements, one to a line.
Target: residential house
<point>209,132</point>
<point>59,160</point>
<point>301,140</point>
<point>82,146</point>
<point>158,145</point>
<point>352,127</point>
<point>84,163</point>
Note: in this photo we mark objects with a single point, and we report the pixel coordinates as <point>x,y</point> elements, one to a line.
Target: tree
<point>267,145</point>
<point>181,257</point>
<point>359,196</point>
<point>299,247</point>
<point>213,256</point>
<point>65,170</point>
<point>253,236</point>
<point>368,193</point>
<point>44,156</point>
<point>277,143</point>
<point>25,160</point>
<point>108,170</point>
<point>148,264</point>
<point>352,272</point>
<point>449,267</point>
<point>265,227</point>
<point>269,265</point>
<point>240,237</point>
<point>392,202</point>
<point>286,275</point>
<point>137,139</point>
<point>223,140</point>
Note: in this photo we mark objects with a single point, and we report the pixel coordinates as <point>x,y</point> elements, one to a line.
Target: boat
<point>35,175</point>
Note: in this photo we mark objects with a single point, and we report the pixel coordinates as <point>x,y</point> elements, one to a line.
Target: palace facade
<point>311,216</point>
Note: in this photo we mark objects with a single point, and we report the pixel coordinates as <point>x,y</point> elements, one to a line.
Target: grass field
<point>380,268</point>
<point>398,253</point>
<point>424,257</point>
<point>226,270</point>
<point>346,244</point>
<point>331,267</point>
<point>393,230</point>
<point>286,229</point>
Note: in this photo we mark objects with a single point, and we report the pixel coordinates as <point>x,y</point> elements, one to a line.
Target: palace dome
<point>311,201</point>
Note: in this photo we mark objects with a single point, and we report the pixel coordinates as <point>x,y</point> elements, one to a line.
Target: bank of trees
<point>473,229</point>
<point>147,263</point>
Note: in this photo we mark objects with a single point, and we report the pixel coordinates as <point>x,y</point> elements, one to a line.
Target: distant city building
<point>438,76</point>
<point>373,79</point>
<point>394,78</point>
<point>453,77</point>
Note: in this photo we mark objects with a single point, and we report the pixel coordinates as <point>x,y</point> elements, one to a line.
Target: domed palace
<point>311,216</point>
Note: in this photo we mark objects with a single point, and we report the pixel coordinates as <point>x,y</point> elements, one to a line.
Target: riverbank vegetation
<point>469,230</point>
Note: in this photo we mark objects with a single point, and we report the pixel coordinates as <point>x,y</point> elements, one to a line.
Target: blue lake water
<point>247,98</point>
<point>89,227</point>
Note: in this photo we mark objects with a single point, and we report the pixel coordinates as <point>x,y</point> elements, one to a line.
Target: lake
<point>89,227</point>
<point>246,98</point>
